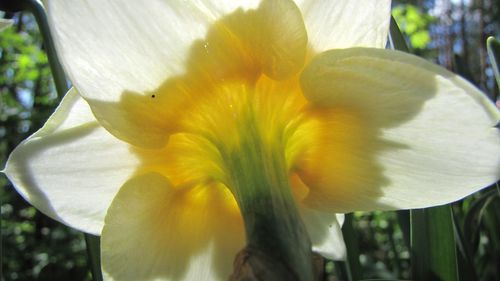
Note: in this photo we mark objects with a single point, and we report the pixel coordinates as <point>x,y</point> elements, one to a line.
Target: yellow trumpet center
<point>252,124</point>
<point>240,105</point>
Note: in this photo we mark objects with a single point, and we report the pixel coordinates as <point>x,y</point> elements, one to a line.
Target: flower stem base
<point>253,265</point>
<point>278,245</point>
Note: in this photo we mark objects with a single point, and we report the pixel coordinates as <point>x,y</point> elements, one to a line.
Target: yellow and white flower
<point>177,105</point>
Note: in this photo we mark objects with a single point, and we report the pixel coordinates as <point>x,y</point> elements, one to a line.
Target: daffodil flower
<point>180,109</point>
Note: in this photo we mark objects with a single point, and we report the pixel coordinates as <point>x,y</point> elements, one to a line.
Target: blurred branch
<point>36,8</point>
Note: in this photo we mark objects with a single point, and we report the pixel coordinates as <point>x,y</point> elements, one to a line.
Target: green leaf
<point>354,271</point>
<point>403,217</point>
<point>493,46</point>
<point>481,232</point>
<point>94,255</point>
<point>396,38</point>
<point>465,256</point>
<point>433,244</point>
<point>473,217</point>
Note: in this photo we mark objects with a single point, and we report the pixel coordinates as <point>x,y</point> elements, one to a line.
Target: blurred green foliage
<point>414,23</point>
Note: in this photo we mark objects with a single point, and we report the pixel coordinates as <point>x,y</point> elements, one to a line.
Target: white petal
<point>346,23</point>
<point>427,136</point>
<point>71,168</point>
<point>154,231</point>
<point>453,150</point>
<point>111,46</point>
<point>278,47</point>
<point>325,233</point>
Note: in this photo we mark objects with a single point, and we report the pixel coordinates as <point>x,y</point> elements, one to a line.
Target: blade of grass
<point>466,267</point>
<point>433,244</point>
<point>493,47</point>
<point>477,232</point>
<point>396,38</point>
<point>491,218</point>
<point>340,269</point>
<point>472,218</point>
<point>351,240</point>
<point>404,223</point>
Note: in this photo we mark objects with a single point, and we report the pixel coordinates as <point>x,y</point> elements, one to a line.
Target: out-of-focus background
<point>450,33</point>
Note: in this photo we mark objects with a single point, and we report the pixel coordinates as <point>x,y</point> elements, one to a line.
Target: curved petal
<point>416,134</point>
<point>155,231</point>
<point>280,38</point>
<point>133,69</point>
<point>324,228</point>
<point>71,168</point>
<point>108,47</point>
<point>346,23</point>
<point>325,233</point>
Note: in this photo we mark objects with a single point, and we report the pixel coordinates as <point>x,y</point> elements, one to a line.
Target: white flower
<point>170,97</point>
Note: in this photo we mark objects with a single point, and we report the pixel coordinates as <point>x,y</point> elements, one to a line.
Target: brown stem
<point>253,265</point>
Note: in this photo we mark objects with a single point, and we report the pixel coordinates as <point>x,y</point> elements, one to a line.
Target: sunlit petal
<point>325,233</point>
<point>71,168</point>
<point>155,231</point>
<point>134,91</point>
<point>346,23</point>
<point>323,227</point>
<point>108,47</point>
<point>394,131</point>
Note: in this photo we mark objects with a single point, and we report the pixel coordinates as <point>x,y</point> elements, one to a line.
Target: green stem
<point>494,54</point>
<point>272,221</point>
<point>36,8</point>
<point>94,253</point>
